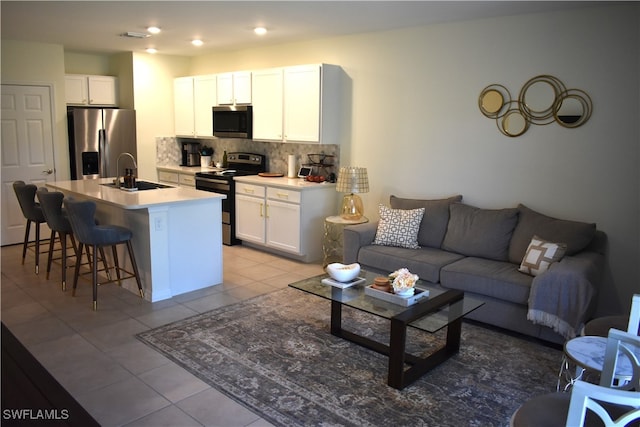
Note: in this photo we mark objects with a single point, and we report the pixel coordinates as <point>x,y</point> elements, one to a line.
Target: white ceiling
<point>95,26</point>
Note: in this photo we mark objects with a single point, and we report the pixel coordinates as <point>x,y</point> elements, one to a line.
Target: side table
<point>586,353</point>
<point>332,243</point>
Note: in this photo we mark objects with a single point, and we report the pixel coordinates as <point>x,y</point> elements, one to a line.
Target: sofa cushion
<point>435,219</point>
<point>398,227</point>
<point>576,235</point>
<point>425,262</point>
<point>496,279</point>
<point>540,254</point>
<point>484,233</point>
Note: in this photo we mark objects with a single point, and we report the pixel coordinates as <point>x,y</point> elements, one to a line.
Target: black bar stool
<point>58,222</point>
<point>26,194</point>
<point>81,215</point>
<point>51,204</point>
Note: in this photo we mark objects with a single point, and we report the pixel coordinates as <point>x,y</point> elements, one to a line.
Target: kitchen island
<point>177,233</point>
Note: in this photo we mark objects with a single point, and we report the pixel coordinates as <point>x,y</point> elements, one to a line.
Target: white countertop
<point>292,183</point>
<point>92,189</point>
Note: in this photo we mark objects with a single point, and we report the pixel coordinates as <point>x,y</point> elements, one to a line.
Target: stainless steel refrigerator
<point>97,136</point>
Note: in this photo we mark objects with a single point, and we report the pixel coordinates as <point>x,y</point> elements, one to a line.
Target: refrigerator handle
<point>102,153</point>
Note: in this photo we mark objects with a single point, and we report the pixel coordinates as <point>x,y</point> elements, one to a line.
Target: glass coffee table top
<point>356,298</point>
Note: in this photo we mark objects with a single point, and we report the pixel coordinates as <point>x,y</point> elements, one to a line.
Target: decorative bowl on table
<point>343,273</point>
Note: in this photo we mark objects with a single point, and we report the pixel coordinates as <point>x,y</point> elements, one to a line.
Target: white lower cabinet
<point>288,219</point>
<point>176,179</point>
<point>250,213</point>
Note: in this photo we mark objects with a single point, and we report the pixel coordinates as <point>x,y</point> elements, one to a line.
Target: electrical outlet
<point>158,224</point>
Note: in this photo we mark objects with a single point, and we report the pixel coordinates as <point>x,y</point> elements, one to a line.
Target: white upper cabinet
<point>297,104</point>
<point>204,93</point>
<point>183,106</point>
<point>302,103</point>
<point>290,104</point>
<point>193,99</point>
<point>267,104</point>
<point>234,88</point>
<point>91,90</point>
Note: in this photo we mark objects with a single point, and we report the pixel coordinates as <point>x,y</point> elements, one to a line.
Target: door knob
<point>47,172</point>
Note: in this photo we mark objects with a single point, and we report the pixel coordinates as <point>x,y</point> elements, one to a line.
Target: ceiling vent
<point>135,35</point>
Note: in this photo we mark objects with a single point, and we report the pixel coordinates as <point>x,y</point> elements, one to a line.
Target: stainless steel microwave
<point>233,121</point>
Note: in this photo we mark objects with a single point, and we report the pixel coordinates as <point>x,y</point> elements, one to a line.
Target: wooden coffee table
<point>443,308</point>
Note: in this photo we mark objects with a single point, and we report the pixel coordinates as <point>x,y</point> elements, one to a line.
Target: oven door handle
<point>213,181</point>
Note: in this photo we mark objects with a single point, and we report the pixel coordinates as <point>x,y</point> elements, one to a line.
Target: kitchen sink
<point>141,185</point>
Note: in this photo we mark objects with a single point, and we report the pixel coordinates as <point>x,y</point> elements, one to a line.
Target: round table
<point>332,243</point>
<point>587,354</point>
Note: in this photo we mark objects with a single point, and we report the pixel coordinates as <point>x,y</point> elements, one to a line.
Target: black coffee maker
<point>190,153</point>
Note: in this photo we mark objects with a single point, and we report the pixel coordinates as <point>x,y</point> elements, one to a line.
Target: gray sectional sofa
<point>479,251</point>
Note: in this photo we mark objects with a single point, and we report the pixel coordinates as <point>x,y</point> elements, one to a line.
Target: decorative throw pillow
<point>398,227</point>
<point>434,221</point>
<point>540,254</point>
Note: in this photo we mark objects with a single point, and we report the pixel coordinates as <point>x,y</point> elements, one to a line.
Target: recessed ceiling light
<point>151,50</point>
<point>260,31</point>
<point>153,30</point>
<point>197,42</point>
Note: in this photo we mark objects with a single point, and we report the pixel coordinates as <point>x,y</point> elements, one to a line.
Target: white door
<point>26,151</point>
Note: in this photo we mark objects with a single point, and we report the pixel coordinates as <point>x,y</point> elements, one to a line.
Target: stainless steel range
<point>220,180</point>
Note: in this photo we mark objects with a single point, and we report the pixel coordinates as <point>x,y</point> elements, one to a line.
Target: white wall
<point>153,97</point>
<point>41,63</point>
<point>416,125</point>
<point>86,63</point>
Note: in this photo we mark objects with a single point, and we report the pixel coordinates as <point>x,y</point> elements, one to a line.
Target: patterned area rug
<point>275,355</point>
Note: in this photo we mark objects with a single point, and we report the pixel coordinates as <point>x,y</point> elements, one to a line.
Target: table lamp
<point>352,180</point>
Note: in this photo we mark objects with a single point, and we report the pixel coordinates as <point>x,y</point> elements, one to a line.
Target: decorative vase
<point>205,161</point>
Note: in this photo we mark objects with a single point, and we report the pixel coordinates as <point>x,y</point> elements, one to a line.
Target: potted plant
<point>206,154</point>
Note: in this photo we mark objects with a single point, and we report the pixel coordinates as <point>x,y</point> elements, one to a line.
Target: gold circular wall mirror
<point>573,108</point>
<point>542,100</point>
<point>493,100</point>
<point>514,123</point>
<point>538,97</point>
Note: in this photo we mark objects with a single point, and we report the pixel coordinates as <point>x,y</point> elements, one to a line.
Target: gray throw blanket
<point>561,298</point>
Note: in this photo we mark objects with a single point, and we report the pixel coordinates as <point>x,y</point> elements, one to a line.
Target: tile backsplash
<point>169,152</point>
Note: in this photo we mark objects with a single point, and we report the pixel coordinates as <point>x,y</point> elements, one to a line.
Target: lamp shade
<point>352,180</point>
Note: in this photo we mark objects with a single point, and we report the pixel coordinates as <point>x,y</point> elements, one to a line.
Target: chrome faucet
<point>116,181</point>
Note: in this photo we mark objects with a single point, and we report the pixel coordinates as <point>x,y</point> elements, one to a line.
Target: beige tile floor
<point>96,357</point>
